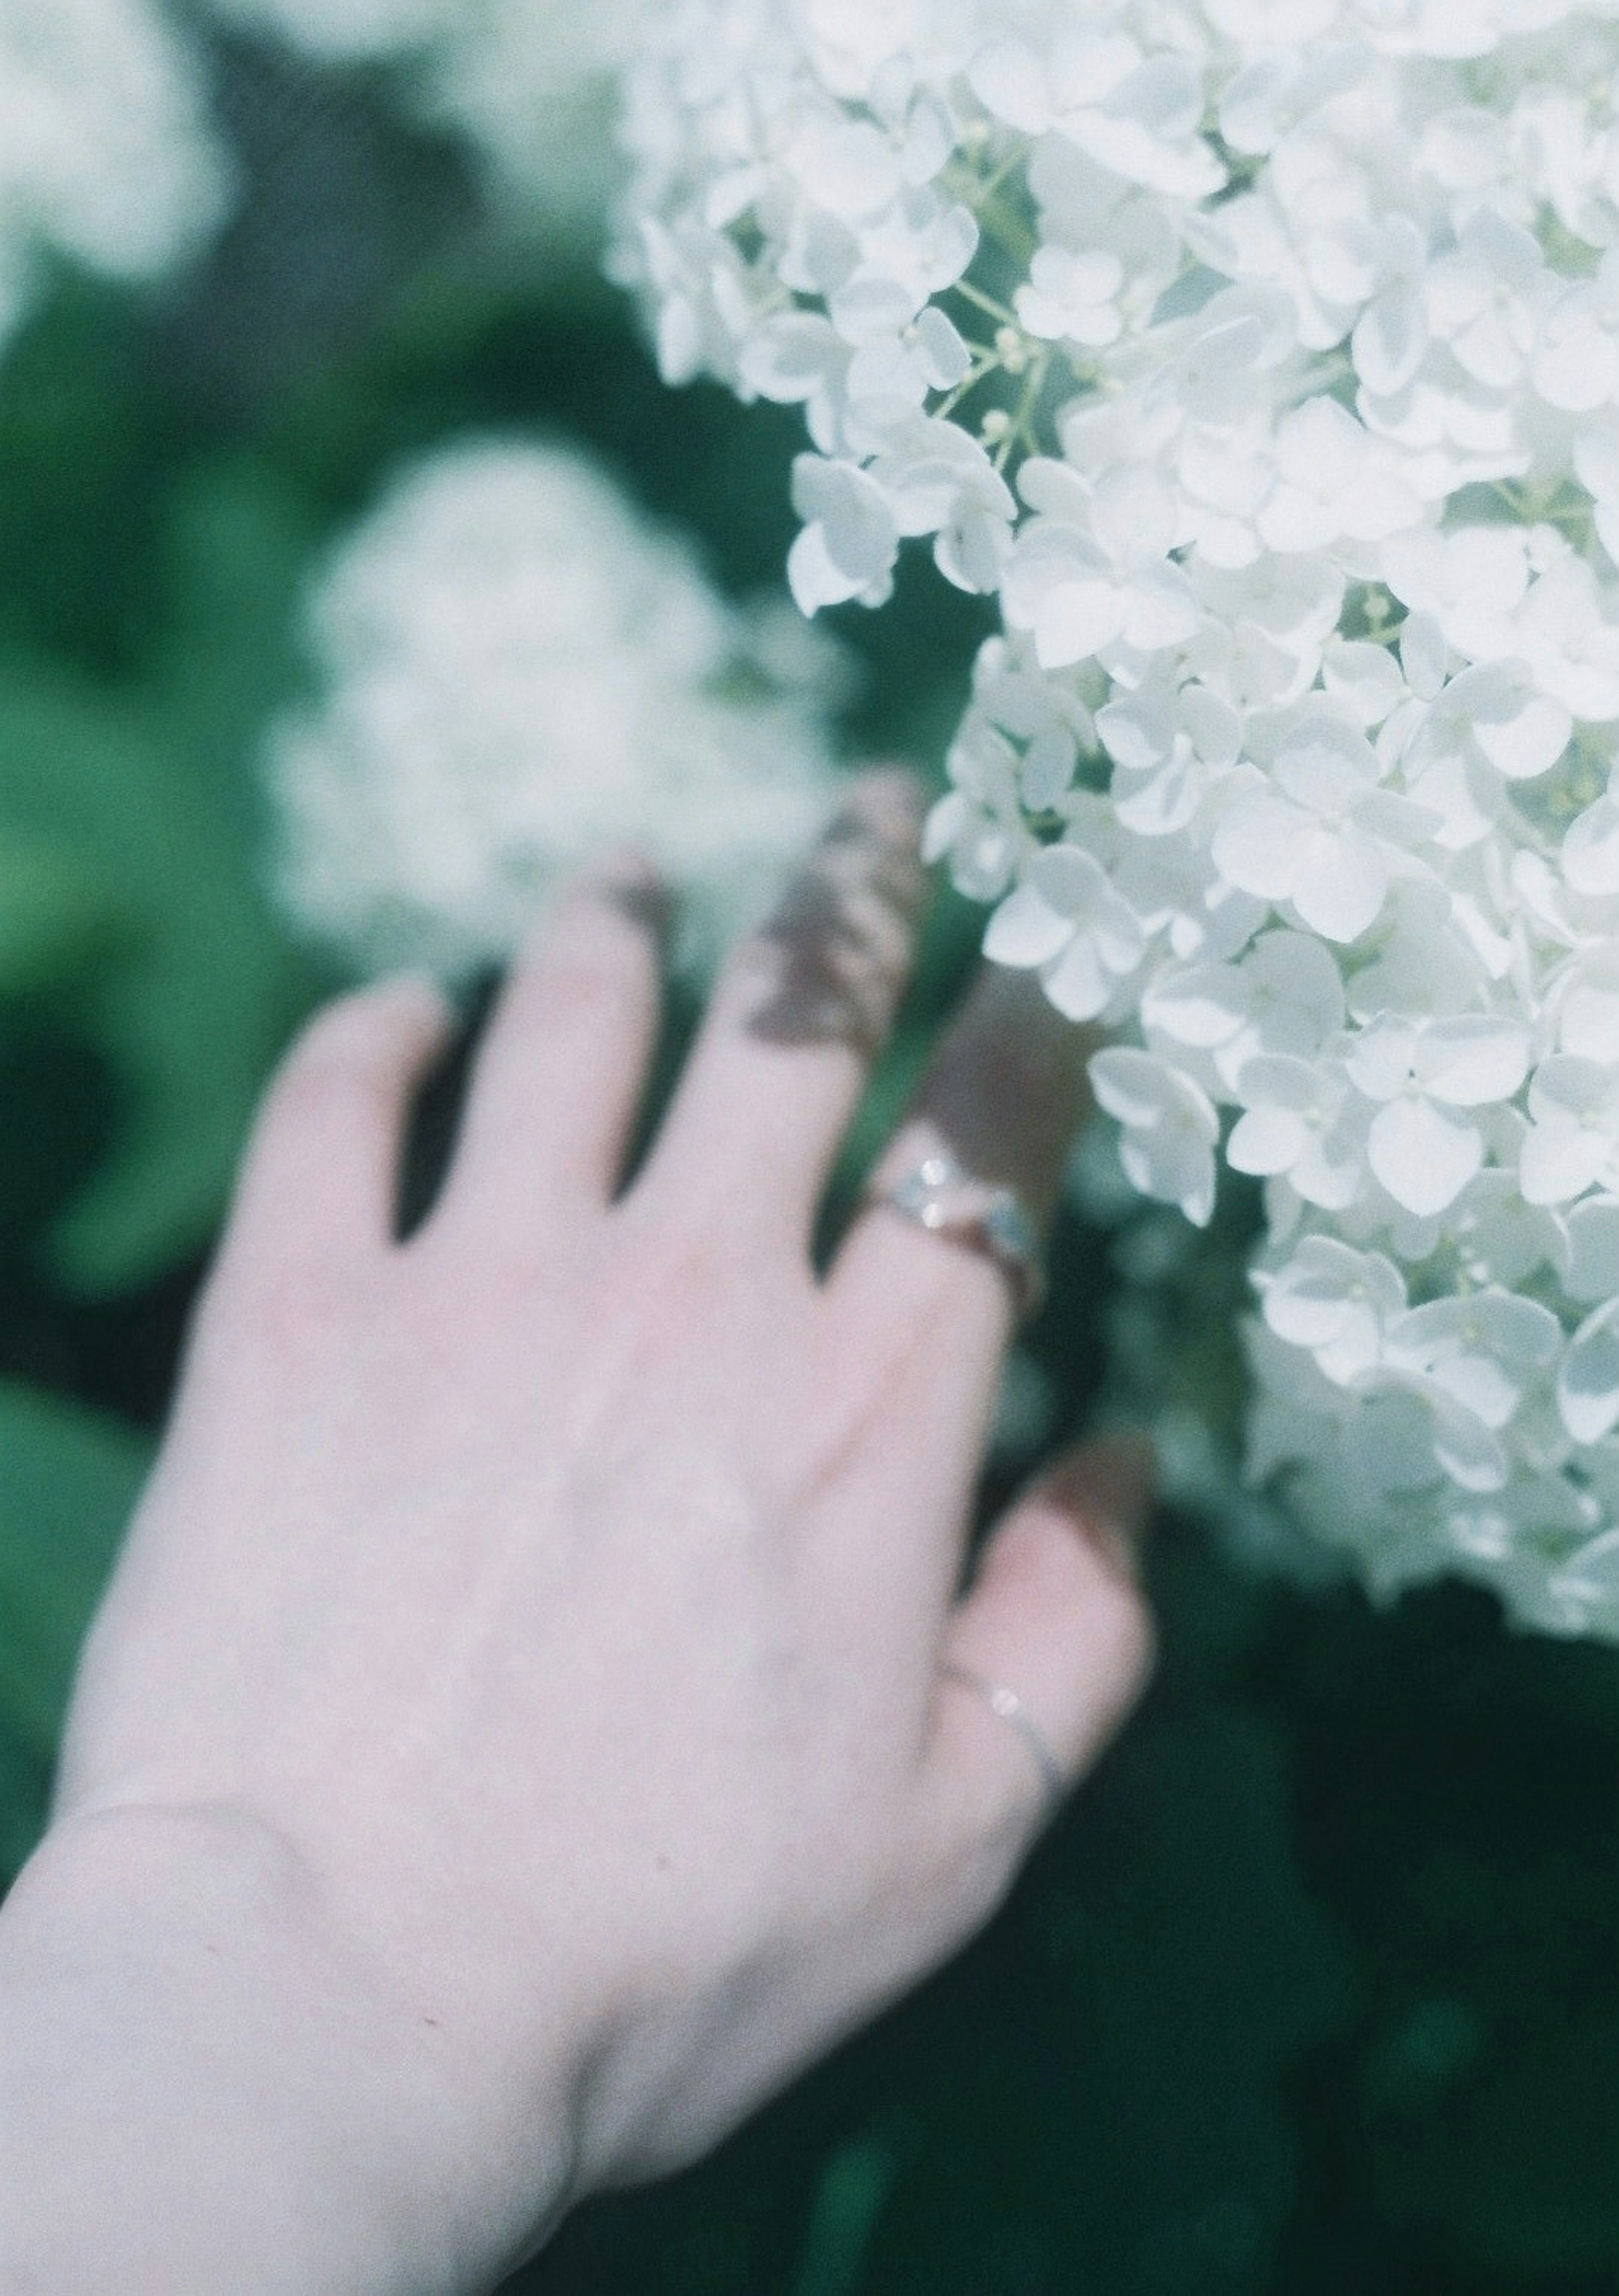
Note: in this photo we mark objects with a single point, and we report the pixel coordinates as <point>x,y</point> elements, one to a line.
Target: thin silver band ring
<point>1007,1704</point>
<point>942,1196</point>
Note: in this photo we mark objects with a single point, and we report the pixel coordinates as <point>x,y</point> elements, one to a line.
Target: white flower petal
<point>1423,1155</point>
<point>1593,1250</point>
<point>1559,1161</point>
<point>1529,741</point>
<point>1076,619</point>
<point>1026,930</point>
<point>1266,1141</point>
<point>1010,82</point>
<point>1339,884</point>
<point>1472,1061</point>
<point>1590,850</point>
<point>1587,1384</point>
<point>1078,983</point>
<point>1255,846</point>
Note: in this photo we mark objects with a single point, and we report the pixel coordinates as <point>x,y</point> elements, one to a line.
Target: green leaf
<point>68,1478</point>
<point>55,910</point>
<point>154,796</point>
<point>189,1013</point>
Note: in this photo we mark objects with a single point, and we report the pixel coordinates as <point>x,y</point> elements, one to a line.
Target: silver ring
<point>941,1195</point>
<point>1010,1708</point>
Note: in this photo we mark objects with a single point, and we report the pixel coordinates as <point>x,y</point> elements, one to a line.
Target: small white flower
<point>1435,1427</point>
<point>799,358</point>
<point>978,825</point>
<point>1574,1145</point>
<point>1470,582</point>
<point>937,481</point>
<point>1332,481</point>
<point>1322,836</point>
<point>1047,715</point>
<point>1073,296</point>
<point>1570,644</point>
<point>1575,366</point>
<point>1334,1303</point>
<point>1300,1124</point>
<point>1285,997</point>
<point>1067,919</point>
<point>888,379</point>
<point>1170,1128</point>
<point>851,535</point>
<point>1169,751</point>
<point>1485,301</point>
<point>1080,589</point>
<point>1487,1349</point>
<point>518,671</point>
<point>1424,1145</point>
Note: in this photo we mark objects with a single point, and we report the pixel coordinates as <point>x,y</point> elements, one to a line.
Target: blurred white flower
<point>106,154</point>
<point>530,83</point>
<point>519,670</point>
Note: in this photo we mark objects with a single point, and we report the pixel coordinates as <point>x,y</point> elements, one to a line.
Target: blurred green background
<point>1316,1990</point>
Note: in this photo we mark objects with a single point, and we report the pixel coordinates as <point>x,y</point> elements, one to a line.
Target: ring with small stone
<point>942,1196</point>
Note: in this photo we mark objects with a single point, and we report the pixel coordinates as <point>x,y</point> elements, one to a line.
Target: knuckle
<point>670,1268</point>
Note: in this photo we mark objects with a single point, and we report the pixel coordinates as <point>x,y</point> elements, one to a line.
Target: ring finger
<point>998,1107</point>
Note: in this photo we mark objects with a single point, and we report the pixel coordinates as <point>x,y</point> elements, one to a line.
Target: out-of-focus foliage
<point>68,1479</point>
<point>1316,1991</point>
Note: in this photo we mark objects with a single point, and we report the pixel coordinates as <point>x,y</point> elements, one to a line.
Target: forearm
<point>196,2098</point>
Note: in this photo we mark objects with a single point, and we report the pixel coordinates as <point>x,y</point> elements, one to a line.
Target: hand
<point>524,1672</point>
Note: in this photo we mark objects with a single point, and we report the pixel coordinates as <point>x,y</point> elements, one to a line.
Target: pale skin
<point>516,1742</point>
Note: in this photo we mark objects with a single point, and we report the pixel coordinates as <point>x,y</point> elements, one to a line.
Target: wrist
<point>200,2086</point>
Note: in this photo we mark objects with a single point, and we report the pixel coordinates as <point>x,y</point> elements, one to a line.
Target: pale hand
<point>515,1740</point>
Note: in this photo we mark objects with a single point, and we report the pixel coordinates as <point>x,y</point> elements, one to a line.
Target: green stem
<point>1022,430</point>
<point>989,364</point>
<point>987,304</point>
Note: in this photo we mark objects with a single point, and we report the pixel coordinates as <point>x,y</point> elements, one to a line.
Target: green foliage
<point>68,1478</point>
<point>54,911</point>
<point>130,839</point>
<point>193,990</point>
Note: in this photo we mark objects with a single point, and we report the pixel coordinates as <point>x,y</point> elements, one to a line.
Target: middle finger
<point>800,1011</point>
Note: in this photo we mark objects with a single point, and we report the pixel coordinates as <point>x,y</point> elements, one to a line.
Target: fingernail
<point>628,878</point>
<point>625,863</point>
<point>1112,1483</point>
<point>885,802</point>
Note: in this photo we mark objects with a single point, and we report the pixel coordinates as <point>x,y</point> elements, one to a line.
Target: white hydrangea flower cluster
<point>1261,358</point>
<point>530,83</point>
<point>519,671</point>
<point>106,154</point>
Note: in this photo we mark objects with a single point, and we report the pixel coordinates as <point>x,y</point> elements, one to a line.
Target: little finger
<point>1044,1656</point>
